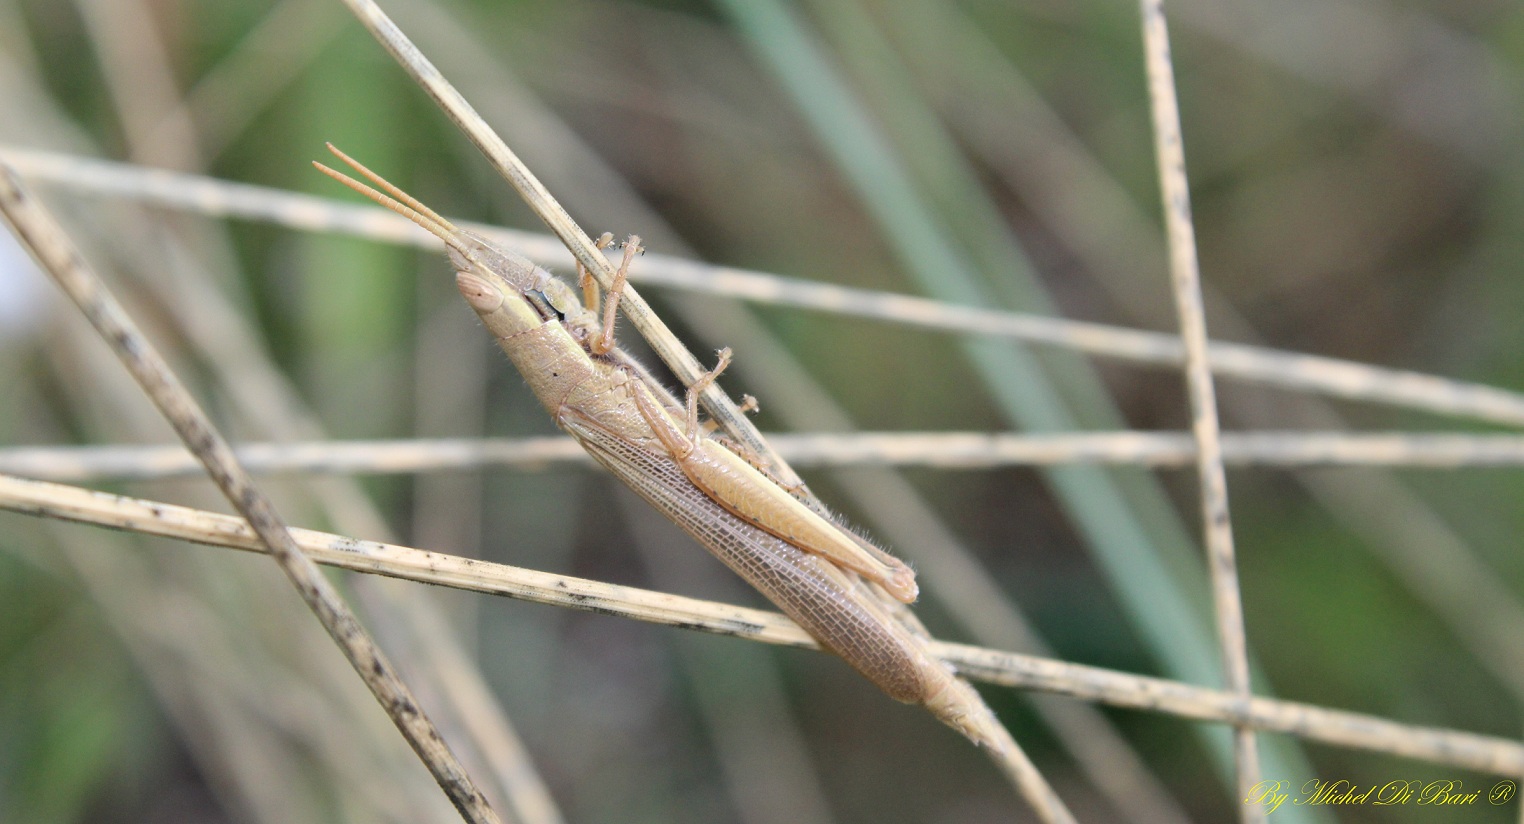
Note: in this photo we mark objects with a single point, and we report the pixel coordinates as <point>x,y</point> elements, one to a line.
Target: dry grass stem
<point>936,450</point>
<point>1334,377</point>
<point>1185,278</point>
<point>1449,747</point>
<point>661,339</point>
<point>215,328</point>
<point>48,244</point>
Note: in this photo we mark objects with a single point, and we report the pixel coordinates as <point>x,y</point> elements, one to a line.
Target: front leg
<point>604,342</point>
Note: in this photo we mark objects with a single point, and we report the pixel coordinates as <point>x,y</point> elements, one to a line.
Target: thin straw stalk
<point>50,247</point>
<point>1348,729</point>
<point>666,345</point>
<point>1335,377</point>
<point>1185,280</point>
<point>938,450</point>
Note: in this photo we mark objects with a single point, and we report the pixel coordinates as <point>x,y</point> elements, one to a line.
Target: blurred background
<point>1357,177</point>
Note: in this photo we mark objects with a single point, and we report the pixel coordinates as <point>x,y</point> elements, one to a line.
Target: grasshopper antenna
<point>398,201</point>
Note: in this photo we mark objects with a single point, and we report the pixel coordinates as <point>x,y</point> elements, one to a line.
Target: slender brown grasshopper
<point>638,431</point>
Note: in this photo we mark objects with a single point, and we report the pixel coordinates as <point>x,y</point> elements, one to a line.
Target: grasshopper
<point>637,430</point>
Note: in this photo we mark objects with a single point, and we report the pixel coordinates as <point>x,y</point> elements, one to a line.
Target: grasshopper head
<point>487,275</point>
<point>469,251</point>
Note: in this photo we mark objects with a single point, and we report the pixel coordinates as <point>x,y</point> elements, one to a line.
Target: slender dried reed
<point>1297,371</point>
<point>48,244</point>
<point>1449,747</point>
<point>1185,278</point>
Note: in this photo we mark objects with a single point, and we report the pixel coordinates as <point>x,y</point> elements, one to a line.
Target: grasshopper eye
<point>483,296</point>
